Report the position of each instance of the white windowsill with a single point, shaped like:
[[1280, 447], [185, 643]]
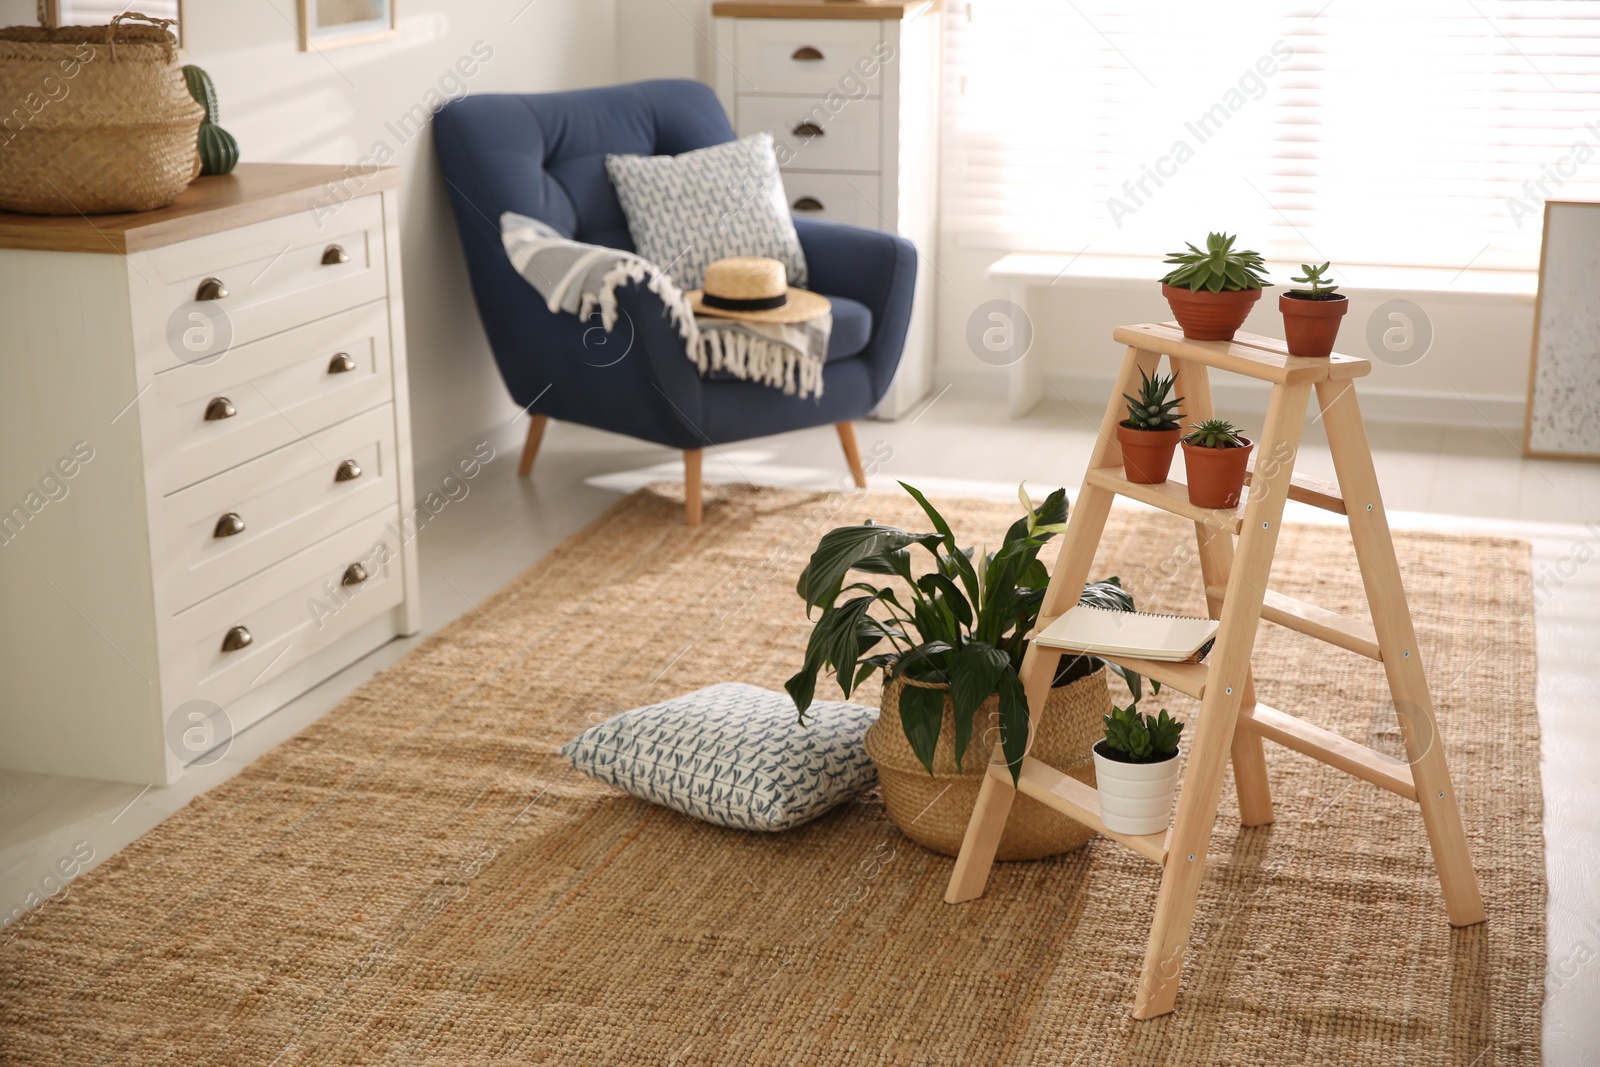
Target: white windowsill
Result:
[[1045, 269]]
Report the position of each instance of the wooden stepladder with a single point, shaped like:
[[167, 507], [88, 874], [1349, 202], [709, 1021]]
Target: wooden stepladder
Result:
[[1231, 723]]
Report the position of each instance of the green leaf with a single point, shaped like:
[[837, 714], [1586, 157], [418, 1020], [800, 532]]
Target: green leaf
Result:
[[921, 713], [838, 636], [920, 662], [938, 584], [841, 549], [974, 673], [1013, 721], [968, 576]]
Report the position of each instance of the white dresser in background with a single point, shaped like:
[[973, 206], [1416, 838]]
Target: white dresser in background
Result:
[[849, 91], [204, 461]]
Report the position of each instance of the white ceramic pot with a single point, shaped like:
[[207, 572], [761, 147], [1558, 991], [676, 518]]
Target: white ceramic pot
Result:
[[1135, 798]]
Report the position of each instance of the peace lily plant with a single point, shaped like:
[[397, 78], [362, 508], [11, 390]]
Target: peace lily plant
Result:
[[960, 622]]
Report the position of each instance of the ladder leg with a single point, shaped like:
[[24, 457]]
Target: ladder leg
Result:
[[1402, 660], [1212, 732], [1216, 563], [1086, 521]]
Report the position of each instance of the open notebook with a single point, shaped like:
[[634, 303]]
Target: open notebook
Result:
[[1169, 638]]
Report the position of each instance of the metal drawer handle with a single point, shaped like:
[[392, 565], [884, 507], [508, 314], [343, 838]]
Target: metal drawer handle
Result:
[[229, 525], [341, 363], [237, 638], [808, 203], [354, 574], [220, 408], [348, 471], [333, 255], [211, 289], [808, 130], [806, 54]]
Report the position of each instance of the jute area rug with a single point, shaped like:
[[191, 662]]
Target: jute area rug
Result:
[[419, 878]]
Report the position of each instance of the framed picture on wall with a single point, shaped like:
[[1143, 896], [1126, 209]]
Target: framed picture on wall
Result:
[[1563, 416], [335, 23]]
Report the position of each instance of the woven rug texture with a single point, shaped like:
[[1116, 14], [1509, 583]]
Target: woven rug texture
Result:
[[419, 878]]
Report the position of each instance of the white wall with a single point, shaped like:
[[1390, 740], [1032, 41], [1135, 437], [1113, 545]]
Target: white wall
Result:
[[285, 105]]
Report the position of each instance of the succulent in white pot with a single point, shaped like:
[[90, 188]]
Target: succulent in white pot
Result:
[[1136, 770]]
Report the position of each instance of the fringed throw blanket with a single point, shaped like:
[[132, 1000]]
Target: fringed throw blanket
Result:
[[583, 279]]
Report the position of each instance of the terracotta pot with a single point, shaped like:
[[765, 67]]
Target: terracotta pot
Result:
[[1208, 316], [1147, 454], [1310, 326], [1216, 475]]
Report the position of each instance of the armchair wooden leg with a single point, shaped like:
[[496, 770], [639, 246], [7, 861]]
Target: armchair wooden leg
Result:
[[530, 447], [852, 454], [691, 485]]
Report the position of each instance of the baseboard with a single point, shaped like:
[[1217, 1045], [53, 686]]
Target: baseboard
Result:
[[1503, 413]]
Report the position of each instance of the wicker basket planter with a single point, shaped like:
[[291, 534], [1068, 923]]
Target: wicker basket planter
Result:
[[933, 810], [109, 123]]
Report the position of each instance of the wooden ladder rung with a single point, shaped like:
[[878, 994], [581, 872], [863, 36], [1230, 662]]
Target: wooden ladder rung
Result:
[[1328, 747], [1184, 677], [1171, 495], [1324, 625], [1307, 490], [1072, 798]]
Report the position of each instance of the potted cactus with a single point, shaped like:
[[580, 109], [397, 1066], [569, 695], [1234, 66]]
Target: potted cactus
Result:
[[1311, 315], [1136, 770], [219, 152], [1215, 457], [1211, 292], [1149, 435]]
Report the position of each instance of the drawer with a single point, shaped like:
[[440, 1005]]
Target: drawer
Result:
[[279, 389], [848, 198], [290, 611], [277, 504], [807, 56], [275, 277], [846, 141]]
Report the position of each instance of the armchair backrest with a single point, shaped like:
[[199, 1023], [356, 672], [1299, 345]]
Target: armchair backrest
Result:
[[544, 154]]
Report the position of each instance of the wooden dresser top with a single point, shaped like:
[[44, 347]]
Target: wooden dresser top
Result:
[[254, 192], [822, 9]]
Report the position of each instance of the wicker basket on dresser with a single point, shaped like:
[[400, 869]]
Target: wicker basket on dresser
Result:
[[204, 461]]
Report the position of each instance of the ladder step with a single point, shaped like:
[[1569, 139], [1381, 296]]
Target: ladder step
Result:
[[1328, 747], [1184, 677], [1072, 798], [1171, 495], [1251, 355], [1306, 489], [1324, 625]]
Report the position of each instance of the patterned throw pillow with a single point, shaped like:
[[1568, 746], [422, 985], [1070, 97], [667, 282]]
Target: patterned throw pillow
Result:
[[734, 755], [685, 212]]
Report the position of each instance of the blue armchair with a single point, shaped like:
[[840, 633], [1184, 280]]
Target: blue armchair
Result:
[[543, 155]]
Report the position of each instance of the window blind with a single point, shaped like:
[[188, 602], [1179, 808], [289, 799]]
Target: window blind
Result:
[[1414, 133]]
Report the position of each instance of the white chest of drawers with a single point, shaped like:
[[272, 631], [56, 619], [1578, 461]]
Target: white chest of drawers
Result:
[[204, 464], [849, 92]]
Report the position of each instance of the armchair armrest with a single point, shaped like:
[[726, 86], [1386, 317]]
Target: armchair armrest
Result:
[[873, 266]]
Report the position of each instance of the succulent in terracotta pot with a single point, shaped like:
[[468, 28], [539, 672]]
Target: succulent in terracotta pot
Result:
[[1215, 456], [1311, 315], [1149, 435], [1211, 292]]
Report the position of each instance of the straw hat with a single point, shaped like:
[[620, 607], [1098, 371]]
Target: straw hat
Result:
[[756, 290]]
